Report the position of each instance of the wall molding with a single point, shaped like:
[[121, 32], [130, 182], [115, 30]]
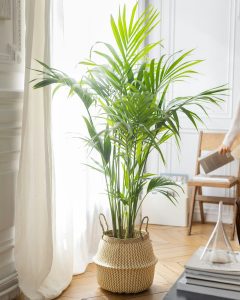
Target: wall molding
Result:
[[8, 284], [11, 94], [169, 7], [5, 10], [13, 53], [11, 104], [9, 289]]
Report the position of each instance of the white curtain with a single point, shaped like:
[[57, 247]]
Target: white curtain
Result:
[[56, 216], [34, 240]]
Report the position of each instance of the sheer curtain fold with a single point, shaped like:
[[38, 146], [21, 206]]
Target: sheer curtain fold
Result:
[[35, 237], [57, 231], [33, 242]]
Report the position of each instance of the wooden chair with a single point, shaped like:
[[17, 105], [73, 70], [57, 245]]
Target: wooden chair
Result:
[[210, 141]]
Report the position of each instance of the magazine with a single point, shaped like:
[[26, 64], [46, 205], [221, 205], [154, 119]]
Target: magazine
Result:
[[213, 284], [214, 160], [227, 278]]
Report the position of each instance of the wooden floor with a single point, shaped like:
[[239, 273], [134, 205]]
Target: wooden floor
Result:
[[172, 246]]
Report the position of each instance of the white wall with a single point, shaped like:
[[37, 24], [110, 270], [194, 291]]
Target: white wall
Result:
[[11, 86], [212, 27]]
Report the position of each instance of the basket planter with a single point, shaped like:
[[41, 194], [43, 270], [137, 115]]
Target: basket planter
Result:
[[125, 265]]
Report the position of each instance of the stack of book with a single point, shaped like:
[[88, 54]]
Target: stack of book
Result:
[[216, 279]]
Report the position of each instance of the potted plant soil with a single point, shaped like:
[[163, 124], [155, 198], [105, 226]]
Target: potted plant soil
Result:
[[131, 92]]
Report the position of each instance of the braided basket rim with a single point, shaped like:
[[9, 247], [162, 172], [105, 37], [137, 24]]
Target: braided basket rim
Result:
[[107, 237]]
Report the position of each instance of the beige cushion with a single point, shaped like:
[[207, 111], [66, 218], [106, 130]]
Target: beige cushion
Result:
[[213, 181]]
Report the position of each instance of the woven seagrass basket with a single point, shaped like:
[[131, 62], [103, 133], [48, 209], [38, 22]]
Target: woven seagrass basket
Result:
[[125, 265]]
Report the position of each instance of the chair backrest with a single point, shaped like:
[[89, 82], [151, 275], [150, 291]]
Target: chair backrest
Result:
[[209, 141], [212, 140]]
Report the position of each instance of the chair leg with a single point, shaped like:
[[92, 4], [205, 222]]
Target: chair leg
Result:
[[193, 200], [234, 221], [235, 214], [201, 212], [201, 206]]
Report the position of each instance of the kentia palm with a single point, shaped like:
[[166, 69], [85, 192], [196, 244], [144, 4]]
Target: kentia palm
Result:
[[132, 93]]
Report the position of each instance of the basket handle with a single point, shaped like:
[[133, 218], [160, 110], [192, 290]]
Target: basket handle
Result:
[[101, 216], [146, 228]]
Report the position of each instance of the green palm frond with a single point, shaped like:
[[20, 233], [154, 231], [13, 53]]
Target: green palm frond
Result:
[[132, 93]]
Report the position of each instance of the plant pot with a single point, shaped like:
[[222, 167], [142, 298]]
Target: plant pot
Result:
[[125, 265]]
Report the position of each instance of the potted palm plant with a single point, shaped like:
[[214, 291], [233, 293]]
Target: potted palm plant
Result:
[[131, 92]]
